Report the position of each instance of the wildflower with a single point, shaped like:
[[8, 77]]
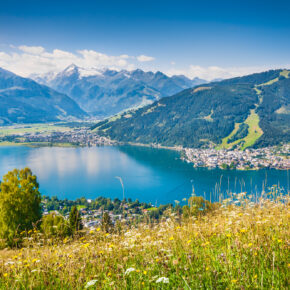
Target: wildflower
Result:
[[255, 277], [279, 241], [171, 238], [189, 241], [162, 280], [129, 270], [229, 235], [5, 274], [207, 268], [109, 274], [144, 272], [91, 283], [98, 229], [157, 260], [242, 231], [234, 281], [250, 244]]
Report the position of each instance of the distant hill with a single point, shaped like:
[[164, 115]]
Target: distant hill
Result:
[[103, 93], [22, 100], [242, 112]]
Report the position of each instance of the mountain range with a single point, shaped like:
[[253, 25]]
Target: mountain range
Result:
[[102, 93], [23, 100], [242, 112]]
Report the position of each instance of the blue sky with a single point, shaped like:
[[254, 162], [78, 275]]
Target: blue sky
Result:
[[198, 38]]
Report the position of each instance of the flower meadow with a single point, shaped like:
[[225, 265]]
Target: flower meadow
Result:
[[240, 245]]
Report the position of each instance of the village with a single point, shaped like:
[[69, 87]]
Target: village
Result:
[[269, 157]]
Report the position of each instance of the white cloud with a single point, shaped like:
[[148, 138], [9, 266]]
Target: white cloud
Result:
[[26, 60], [215, 72], [32, 49], [143, 58]]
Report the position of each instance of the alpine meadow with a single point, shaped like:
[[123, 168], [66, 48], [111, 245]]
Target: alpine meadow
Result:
[[144, 144]]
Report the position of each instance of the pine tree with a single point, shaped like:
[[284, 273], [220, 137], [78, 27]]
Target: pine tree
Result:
[[20, 203], [75, 220]]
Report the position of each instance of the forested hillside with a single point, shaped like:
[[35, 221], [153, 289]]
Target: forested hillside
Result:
[[240, 112]]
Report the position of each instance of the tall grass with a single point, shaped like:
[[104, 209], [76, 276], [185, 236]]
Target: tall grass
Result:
[[241, 245]]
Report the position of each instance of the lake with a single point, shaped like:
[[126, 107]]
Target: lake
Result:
[[148, 174]]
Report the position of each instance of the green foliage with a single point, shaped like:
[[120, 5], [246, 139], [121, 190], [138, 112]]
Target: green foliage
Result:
[[199, 206], [75, 220], [107, 224], [20, 208], [55, 226], [241, 133]]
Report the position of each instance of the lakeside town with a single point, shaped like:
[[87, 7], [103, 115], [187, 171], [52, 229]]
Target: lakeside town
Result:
[[268, 157]]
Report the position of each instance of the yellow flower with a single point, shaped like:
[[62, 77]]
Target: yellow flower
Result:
[[98, 229], [109, 274], [171, 238], [144, 272], [207, 268], [137, 271], [234, 281], [189, 241], [250, 244], [255, 254], [91, 232], [5, 274], [279, 241], [157, 260], [229, 235], [255, 277], [242, 231]]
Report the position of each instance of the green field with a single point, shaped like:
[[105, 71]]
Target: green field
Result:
[[225, 144], [31, 128], [254, 133]]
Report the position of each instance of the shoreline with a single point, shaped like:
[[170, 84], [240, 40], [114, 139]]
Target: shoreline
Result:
[[178, 149]]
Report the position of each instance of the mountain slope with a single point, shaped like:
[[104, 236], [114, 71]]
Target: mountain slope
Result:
[[240, 112], [23, 100], [107, 92]]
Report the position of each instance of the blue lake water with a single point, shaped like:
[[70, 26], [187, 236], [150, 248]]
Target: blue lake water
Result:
[[148, 174]]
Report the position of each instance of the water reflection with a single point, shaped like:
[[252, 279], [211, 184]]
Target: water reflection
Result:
[[148, 174]]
